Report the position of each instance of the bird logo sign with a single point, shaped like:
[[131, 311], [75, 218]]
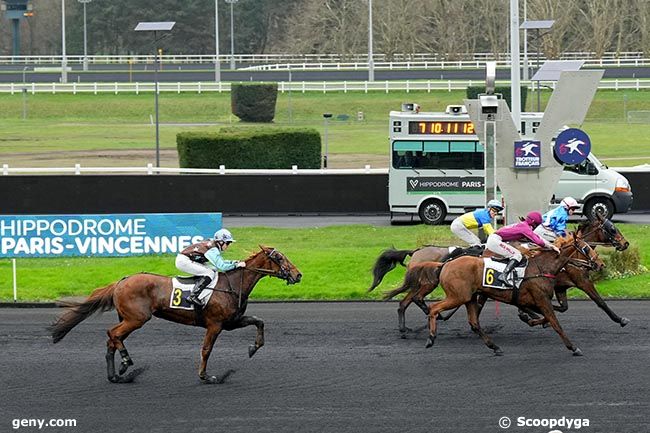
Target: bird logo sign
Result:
[[572, 146], [528, 154]]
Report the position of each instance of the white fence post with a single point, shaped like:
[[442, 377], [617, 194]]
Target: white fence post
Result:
[[5, 169], [149, 168], [77, 169]]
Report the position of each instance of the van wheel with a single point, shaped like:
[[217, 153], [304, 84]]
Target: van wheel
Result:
[[599, 205], [433, 212]]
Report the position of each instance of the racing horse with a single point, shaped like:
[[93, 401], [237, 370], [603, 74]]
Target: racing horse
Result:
[[462, 281], [140, 296], [596, 232]]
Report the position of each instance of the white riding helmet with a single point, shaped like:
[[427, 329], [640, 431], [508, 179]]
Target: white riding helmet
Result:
[[569, 203], [495, 204], [223, 235]]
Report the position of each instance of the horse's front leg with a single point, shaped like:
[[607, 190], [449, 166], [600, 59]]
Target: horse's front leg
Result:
[[545, 306], [247, 321], [212, 332], [588, 287]]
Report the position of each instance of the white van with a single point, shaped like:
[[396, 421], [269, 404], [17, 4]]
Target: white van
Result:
[[597, 187], [437, 168]]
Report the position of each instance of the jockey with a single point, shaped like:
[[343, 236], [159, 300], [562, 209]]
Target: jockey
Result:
[[463, 225], [554, 221], [197, 258], [521, 231]]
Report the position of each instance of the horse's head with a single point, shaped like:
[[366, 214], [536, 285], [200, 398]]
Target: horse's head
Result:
[[278, 265], [602, 230], [580, 253]]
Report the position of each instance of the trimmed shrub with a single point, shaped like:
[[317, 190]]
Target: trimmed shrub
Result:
[[474, 91], [250, 148], [254, 102], [619, 264]]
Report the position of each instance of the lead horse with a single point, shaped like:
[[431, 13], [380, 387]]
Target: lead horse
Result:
[[462, 281], [597, 232], [139, 297]]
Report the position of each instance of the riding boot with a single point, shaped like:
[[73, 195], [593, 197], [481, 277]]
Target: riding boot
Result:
[[200, 284], [505, 275]]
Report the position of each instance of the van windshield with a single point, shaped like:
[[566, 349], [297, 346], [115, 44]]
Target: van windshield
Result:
[[445, 155], [596, 161]]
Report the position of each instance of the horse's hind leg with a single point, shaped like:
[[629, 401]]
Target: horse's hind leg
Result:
[[247, 321], [401, 313], [434, 309], [473, 311], [116, 337]]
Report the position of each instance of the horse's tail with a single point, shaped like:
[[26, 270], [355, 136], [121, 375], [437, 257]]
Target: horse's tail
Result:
[[417, 276], [386, 262], [100, 299]]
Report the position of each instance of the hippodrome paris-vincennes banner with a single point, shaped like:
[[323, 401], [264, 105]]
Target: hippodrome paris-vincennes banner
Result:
[[103, 235]]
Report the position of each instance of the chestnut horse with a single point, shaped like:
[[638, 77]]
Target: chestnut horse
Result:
[[462, 281], [600, 232], [138, 297]]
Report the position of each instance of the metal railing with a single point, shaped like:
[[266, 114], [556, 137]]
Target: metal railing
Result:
[[470, 58], [149, 169], [293, 86]]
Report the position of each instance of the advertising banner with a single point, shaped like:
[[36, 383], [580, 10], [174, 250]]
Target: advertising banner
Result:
[[415, 185], [528, 154], [103, 235]]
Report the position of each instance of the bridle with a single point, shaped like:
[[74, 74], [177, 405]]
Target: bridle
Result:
[[284, 273], [589, 263], [607, 227]]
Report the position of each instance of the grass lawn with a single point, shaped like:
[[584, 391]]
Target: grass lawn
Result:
[[64, 129], [335, 262]]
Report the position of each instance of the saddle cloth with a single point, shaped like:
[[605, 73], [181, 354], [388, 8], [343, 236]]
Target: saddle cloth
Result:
[[181, 289], [492, 269]]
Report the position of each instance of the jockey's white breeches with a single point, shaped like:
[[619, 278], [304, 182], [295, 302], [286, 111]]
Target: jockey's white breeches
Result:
[[183, 263], [459, 229], [545, 233], [497, 245]]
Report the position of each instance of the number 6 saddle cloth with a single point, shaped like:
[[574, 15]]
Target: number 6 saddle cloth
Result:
[[492, 269], [181, 289]]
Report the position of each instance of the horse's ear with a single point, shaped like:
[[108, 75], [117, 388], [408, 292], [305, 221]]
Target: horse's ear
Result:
[[261, 246]]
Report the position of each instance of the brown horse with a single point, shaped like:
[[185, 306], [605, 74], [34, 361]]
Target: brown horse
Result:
[[597, 232], [138, 297], [462, 281]]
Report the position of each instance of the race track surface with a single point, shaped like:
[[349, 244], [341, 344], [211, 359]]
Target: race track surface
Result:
[[334, 367]]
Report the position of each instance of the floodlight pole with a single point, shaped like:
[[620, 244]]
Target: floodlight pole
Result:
[[327, 117], [64, 59], [85, 62], [525, 75], [539, 42], [155, 79], [371, 61], [217, 64], [232, 33], [515, 88]]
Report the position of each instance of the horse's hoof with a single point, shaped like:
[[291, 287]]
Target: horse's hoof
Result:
[[577, 352], [624, 321], [545, 325], [498, 352], [251, 350], [217, 380], [210, 380], [123, 367], [430, 342]]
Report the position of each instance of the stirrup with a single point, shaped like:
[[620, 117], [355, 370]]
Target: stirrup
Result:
[[194, 299]]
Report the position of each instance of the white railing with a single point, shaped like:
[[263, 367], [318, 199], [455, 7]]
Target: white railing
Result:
[[77, 169], [298, 58], [150, 170], [430, 64], [286, 86]]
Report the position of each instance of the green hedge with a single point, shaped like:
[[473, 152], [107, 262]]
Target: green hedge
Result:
[[474, 91], [254, 102], [250, 148]]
